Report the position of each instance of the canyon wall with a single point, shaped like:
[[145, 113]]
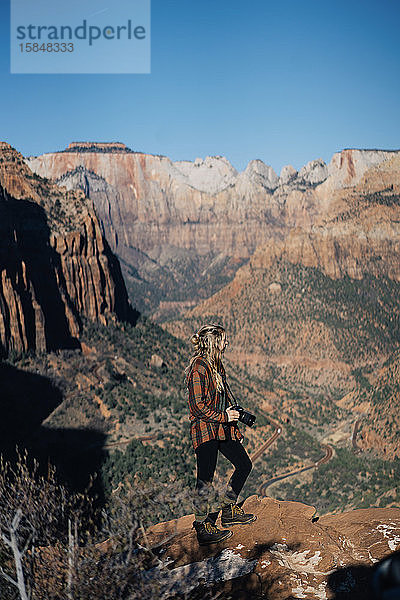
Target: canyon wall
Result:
[[171, 223], [148, 201], [316, 304], [55, 265]]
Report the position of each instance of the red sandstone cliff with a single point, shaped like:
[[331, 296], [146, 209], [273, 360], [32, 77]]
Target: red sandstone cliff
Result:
[[55, 265]]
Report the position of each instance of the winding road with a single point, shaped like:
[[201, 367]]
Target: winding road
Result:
[[260, 451], [278, 431], [356, 449], [327, 457]]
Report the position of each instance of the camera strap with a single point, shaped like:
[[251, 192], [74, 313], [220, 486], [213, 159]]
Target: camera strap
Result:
[[228, 390]]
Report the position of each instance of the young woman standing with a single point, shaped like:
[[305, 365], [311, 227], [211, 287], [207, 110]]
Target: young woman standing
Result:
[[214, 428]]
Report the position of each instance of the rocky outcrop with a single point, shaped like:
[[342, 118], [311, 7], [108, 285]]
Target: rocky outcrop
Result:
[[347, 167], [55, 265], [288, 173], [211, 175], [261, 174], [314, 172], [284, 554]]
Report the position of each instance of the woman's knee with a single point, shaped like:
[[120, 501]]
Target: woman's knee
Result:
[[244, 466], [238, 456], [247, 466], [245, 462]]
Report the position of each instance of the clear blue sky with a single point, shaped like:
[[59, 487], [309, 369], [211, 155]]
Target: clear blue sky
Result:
[[285, 81]]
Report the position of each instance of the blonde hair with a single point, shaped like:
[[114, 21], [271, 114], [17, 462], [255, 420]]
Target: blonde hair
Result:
[[205, 342]]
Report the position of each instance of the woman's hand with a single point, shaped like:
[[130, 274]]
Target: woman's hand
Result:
[[233, 415]]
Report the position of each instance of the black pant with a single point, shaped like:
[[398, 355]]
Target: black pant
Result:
[[207, 454]]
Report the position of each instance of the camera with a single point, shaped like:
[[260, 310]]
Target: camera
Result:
[[244, 416]]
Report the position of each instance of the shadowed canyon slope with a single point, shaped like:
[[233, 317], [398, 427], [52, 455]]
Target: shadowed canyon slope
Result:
[[183, 228], [54, 262]]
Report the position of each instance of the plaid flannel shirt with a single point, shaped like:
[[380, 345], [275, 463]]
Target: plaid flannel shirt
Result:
[[207, 419]]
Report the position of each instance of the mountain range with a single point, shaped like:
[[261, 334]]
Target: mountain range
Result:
[[302, 268], [181, 229]]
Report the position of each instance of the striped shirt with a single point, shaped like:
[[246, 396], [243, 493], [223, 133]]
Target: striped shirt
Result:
[[208, 419]]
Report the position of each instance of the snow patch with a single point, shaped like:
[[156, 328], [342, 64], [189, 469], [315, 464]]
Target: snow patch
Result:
[[223, 567], [318, 592], [296, 561], [265, 563], [393, 540]]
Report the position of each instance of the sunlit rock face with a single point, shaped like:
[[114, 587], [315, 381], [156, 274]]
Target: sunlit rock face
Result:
[[283, 554], [169, 221]]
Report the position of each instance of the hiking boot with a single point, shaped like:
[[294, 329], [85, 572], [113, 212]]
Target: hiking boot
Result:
[[208, 533], [233, 514]]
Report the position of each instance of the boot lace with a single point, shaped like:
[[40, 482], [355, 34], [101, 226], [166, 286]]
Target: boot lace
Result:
[[237, 510], [210, 528]]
